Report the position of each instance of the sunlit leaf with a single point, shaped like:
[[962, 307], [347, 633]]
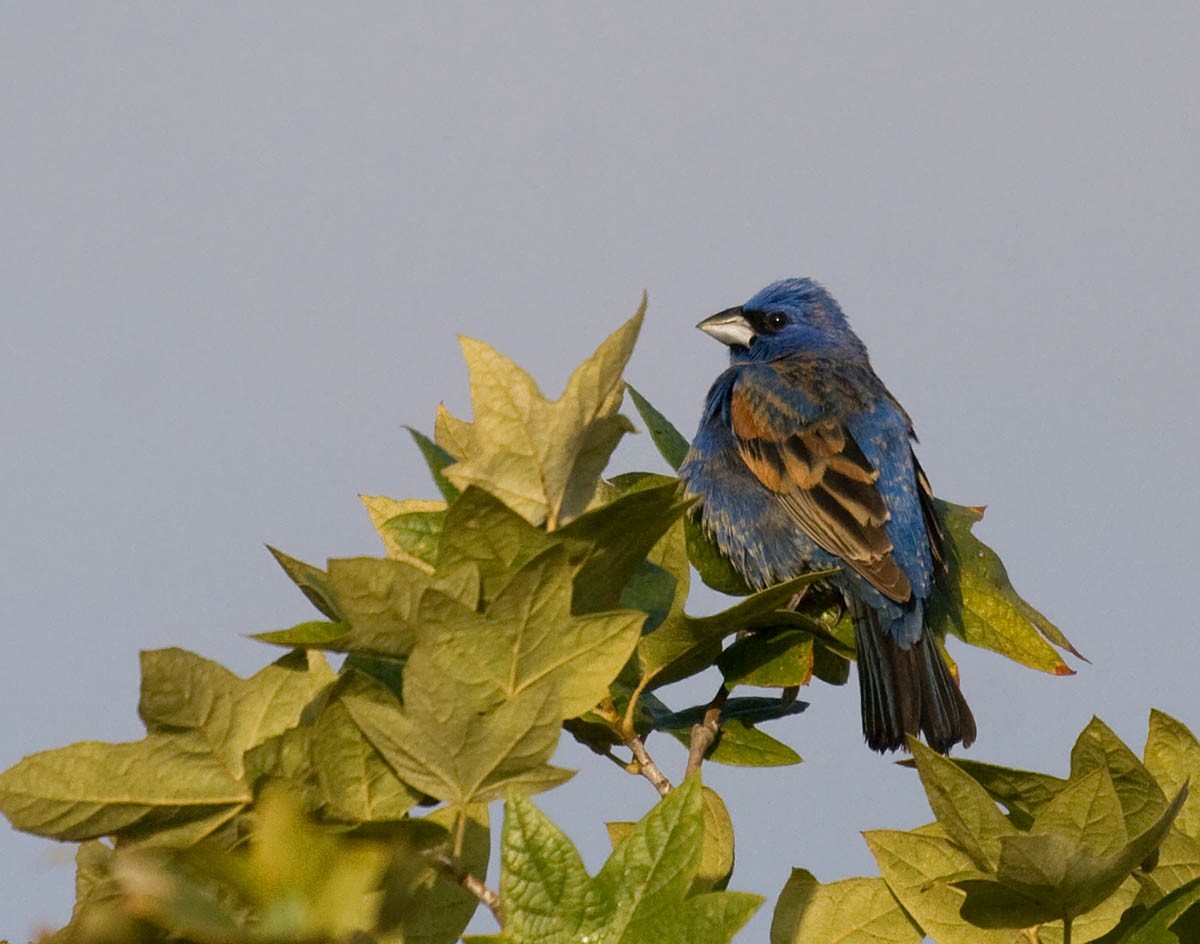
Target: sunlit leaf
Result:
[[982, 606], [187, 773], [528, 636], [852, 911], [542, 458], [1172, 758], [1142, 799]]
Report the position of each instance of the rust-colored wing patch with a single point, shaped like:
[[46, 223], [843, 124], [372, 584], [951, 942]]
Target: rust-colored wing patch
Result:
[[827, 486]]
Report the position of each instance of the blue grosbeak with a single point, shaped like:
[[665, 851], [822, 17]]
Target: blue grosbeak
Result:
[[804, 460]]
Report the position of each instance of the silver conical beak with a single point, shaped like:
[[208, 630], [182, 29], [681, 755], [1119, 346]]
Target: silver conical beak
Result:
[[729, 327]]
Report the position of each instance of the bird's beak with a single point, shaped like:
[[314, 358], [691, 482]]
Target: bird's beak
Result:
[[729, 327]]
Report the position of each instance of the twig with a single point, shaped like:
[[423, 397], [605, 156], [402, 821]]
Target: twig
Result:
[[642, 763], [451, 869], [646, 766], [705, 734]]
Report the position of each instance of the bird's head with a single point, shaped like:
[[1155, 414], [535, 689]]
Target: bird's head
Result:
[[789, 317]]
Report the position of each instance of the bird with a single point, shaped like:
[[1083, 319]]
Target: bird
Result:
[[804, 460]]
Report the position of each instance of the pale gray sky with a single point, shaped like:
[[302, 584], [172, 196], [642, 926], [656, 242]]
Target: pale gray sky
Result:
[[237, 244]]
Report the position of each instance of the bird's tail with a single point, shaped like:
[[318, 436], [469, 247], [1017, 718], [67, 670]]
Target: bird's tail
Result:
[[906, 690]]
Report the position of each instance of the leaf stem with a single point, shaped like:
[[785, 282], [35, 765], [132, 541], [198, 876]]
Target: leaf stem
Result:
[[449, 868]]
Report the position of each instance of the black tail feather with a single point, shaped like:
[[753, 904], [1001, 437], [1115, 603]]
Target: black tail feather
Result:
[[906, 690]]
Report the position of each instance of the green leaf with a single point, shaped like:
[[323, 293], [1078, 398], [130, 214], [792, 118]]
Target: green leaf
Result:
[[716, 853], [1142, 799], [443, 747], [376, 599], [402, 542], [528, 637], [415, 534], [742, 745], [188, 773], [1021, 792], [312, 581], [1178, 863], [542, 458], [963, 808], [982, 607], [356, 782], [642, 894], [1057, 875], [769, 660], [913, 865], [1088, 813], [1173, 920], [483, 532], [618, 536], [1172, 758], [437, 459], [852, 911], [315, 634], [670, 443]]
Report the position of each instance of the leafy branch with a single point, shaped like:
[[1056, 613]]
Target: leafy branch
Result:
[[532, 596]]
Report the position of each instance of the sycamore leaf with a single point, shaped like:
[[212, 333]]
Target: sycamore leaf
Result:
[[1055, 875], [528, 637], [608, 543], [1172, 758], [1088, 812], [982, 607], [964, 810], [1142, 799], [642, 895], [542, 458], [408, 528], [1021, 792], [374, 601], [357, 784], [912, 864], [852, 911], [187, 776], [442, 746]]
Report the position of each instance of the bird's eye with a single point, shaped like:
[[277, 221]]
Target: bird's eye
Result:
[[776, 321]]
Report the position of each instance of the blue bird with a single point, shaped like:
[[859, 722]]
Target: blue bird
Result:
[[803, 460]]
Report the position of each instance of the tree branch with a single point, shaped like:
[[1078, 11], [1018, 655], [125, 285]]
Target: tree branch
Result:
[[704, 735], [453, 871]]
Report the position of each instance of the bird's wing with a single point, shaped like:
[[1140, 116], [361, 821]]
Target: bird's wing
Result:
[[826, 484]]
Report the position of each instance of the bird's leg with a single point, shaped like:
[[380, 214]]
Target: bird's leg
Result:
[[704, 735]]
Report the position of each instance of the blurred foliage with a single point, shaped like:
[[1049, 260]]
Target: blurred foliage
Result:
[[304, 804]]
